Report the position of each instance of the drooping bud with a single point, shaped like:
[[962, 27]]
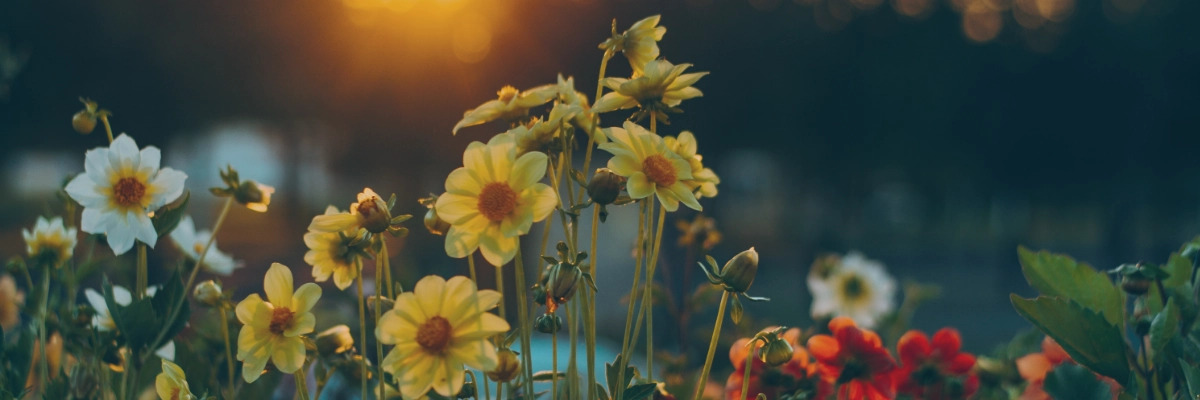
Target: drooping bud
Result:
[[562, 281], [467, 391], [548, 323], [383, 303], [334, 341], [777, 351], [605, 186], [83, 122], [508, 365], [208, 293], [738, 274]]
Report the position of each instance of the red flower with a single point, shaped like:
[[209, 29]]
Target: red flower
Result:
[[799, 373], [1034, 367], [854, 360], [935, 371]]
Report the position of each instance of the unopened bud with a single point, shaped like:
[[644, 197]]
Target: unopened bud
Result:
[[84, 122], [562, 281], [1135, 285], [334, 341], [467, 391], [254, 195], [208, 293], [605, 186], [508, 365], [548, 323], [738, 273], [374, 212], [777, 351], [434, 224]]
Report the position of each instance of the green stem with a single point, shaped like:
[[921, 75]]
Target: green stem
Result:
[[590, 305], [712, 346], [45, 358], [747, 363], [362, 326], [572, 333], [379, 267], [302, 383], [523, 316], [228, 346], [554, 360], [499, 288], [637, 273], [386, 262], [487, 390], [647, 299], [107, 127], [140, 291]]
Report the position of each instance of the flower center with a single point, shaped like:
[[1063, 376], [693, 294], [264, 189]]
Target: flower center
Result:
[[128, 191], [659, 170], [281, 319], [852, 287], [508, 93], [496, 201], [434, 334]]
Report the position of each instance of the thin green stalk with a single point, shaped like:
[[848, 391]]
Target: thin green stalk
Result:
[[386, 263], [523, 317], [362, 326], [747, 363], [471, 269], [712, 346], [487, 391], [499, 286], [302, 383], [45, 359], [572, 333], [228, 346], [647, 299], [590, 305], [379, 266], [140, 291], [107, 127], [637, 273], [554, 361]]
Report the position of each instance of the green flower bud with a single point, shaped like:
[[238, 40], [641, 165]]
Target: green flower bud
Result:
[[508, 365], [467, 391], [738, 274], [538, 292], [376, 217], [208, 293], [253, 195], [84, 122], [562, 281], [334, 341], [385, 304], [1135, 285], [548, 323], [777, 351], [605, 186]]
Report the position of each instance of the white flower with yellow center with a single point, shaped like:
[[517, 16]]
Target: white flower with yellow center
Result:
[[50, 239], [662, 86], [271, 330], [171, 383], [511, 106], [103, 320], [368, 211], [650, 167], [704, 181], [438, 328], [639, 43], [191, 243], [494, 199], [857, 287], [328, 256], [119, 187]]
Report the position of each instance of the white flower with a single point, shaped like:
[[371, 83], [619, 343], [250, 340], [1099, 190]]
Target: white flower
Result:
[[191, 242], [856, 287], [119, 187], [103, 320], [51, 239]]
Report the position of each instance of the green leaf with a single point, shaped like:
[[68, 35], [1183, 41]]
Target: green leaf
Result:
[[1074, 382], [600, 392], [736, 312], [641, 391], [1085, 335], [1178, 269], [167, 218], [1192, 374], [1164, 326], [541, 376], [1059, 275]]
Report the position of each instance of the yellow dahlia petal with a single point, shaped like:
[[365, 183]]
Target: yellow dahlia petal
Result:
[[461, 243], [278, 285], [246, 308], [541, 200], [428, 292], [288, 354], [460, 181], [498, 249], [456, 208], [638, 186], [527, 170], [305, 297]]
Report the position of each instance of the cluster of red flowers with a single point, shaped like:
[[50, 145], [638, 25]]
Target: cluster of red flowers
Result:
[[853, 364]]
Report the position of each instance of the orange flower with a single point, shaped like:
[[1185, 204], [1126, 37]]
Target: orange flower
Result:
[[1034, 367], [937, 370], [854, 360], [798, 374]]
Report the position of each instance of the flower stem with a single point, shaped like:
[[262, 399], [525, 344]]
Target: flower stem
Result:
[[140, 291], [590, 304], [647, 299], [523, 316], [712, 346], [572, 332], [747, 364], [487, 391], [107, 127], [380, 264], [637, 273], [554, 359], [228, 346], [45, 359], [386, 264], [302, 383], [362, 326], [178, 306]]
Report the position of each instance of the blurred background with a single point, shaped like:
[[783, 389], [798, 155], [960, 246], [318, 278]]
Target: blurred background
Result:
[[934, 136]]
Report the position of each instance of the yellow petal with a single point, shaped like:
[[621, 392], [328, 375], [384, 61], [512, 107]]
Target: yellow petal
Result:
[[527, 170], [245, 309], [278, 285], [429, 294], [333, 222], [460, 181], [304, 298], [541, 200], [498, 249], [488, 324], [449, 379], [667, 199], [478, 354], [460, 242], [474, 160], [638, 186], [685, 195], [416, 379], [456, 208], [518, 223], [624, 164], [303, 324], [288, 354]]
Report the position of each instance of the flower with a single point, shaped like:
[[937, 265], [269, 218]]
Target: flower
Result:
[[854, 359], [271, 330], [51, 240], [662, 87], [191, 242], [438, 328], [171, 384], [704, 181], [329, 254], [937, 370], [512, 106], [254, 195], [584, 119], [103, 320], [119, 187], [702, 230], [639, 43], [651, 168], [543, 135], [856, 287], [797, 374], [10, 302], [369, 211], [494, 198], [1034, 368]]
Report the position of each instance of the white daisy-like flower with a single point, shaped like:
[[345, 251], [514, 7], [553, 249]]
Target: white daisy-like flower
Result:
[[50, 239], [120, 185], [191, 242], [103, 320], [856, 287]]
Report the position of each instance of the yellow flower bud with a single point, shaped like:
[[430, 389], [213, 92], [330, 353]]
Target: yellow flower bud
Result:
[[254, 195], [374, 213], [507, 366], [334, 341], [208, 293], [434, 224], [84, 122]]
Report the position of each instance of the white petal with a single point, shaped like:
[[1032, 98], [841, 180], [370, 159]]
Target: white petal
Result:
[[120, 234], [167, 352], [168, 185], [96, 165], [84, 190], [144, 227], [123, 152], [150, 159]]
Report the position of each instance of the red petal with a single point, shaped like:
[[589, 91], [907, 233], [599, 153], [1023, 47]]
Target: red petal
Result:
[[841, 323], [947, 341], [824, 348], [913, 348], [961, 364], [738, 352], [1053, 351]]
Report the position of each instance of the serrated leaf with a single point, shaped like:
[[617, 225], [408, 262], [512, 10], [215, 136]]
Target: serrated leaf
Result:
[[1164, 326], [1084, 334], [167, 218], [1060, 275], [1074, 382]]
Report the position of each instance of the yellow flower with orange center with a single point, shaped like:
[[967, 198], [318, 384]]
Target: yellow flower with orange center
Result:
[[662, 86], [704, 181], [438, 328], [328, 255], [651, 168], [493, 199], [271, 329]]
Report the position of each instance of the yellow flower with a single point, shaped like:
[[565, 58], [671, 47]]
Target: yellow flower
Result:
[[651, 168], [639, 43], [512, 106], [171, 384], [584, 120], [261, 201], [438, 328], [271, 330], [369, 211], [119, 187], [662, 87], [704, 181], [543, 135], [493, 199], [328, 255], [51, 240]]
